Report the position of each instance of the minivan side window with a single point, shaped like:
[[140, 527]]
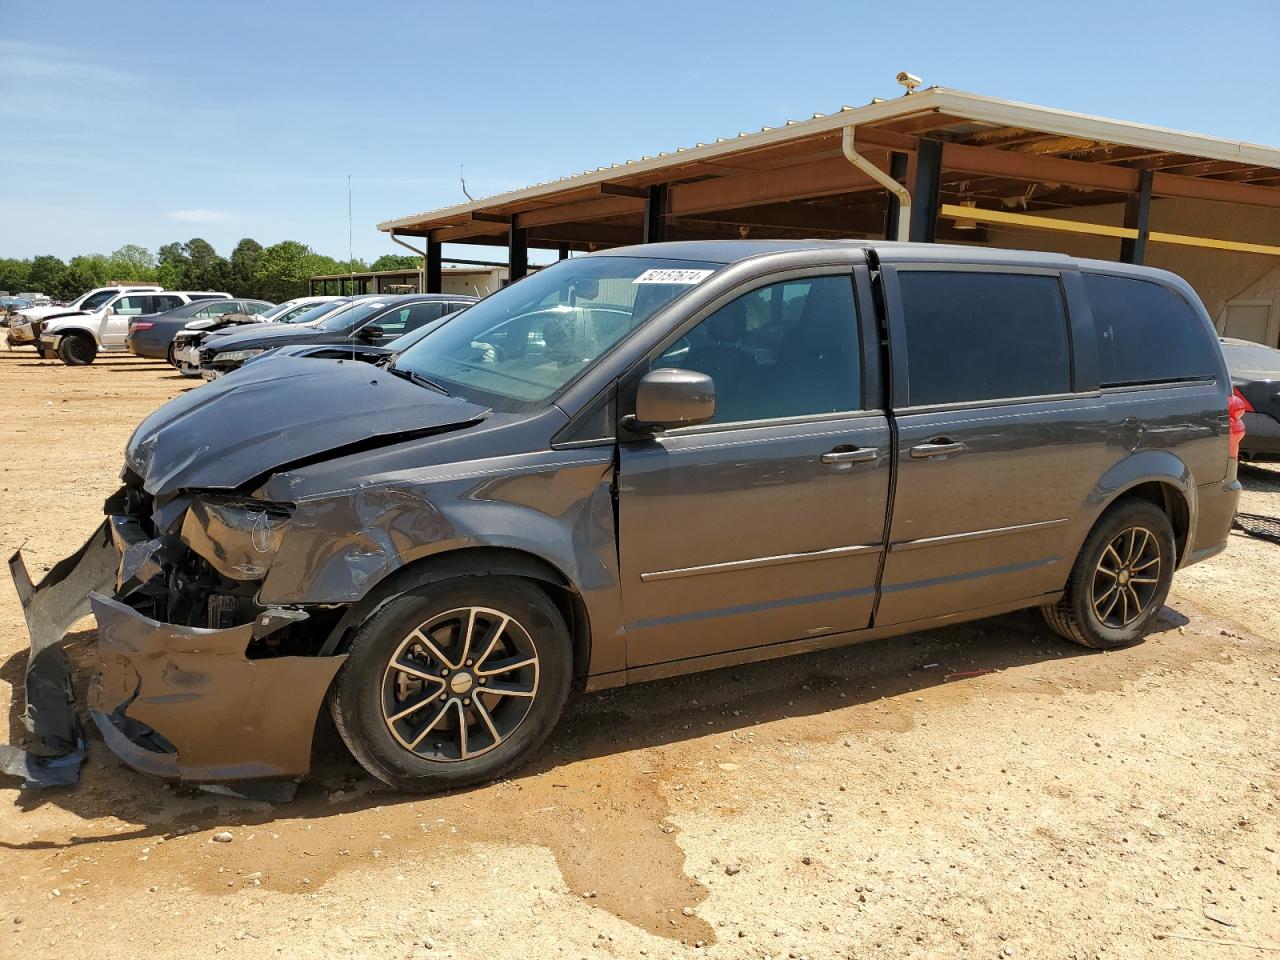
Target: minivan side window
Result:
[[786, 350], [974, 335], [1146, 333]]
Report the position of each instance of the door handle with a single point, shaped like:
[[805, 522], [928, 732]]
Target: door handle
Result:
[[850, 455], [936, 448]]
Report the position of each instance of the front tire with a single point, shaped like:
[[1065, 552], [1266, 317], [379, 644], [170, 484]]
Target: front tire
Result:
[[454, 683], [1120, 579], [77, 350]]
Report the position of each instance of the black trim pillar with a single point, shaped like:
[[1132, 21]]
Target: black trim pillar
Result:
[[924, 192], [655, 214], [562, 252], [517, 252], [1137, 216], [897, 170], [432, 271]]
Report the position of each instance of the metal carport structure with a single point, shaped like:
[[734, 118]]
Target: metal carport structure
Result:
[[937, 164]]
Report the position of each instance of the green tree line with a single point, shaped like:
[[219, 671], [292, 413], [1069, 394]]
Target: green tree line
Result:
[[274, 273]]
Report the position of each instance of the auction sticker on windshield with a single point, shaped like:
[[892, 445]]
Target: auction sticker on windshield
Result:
[[687, 277]]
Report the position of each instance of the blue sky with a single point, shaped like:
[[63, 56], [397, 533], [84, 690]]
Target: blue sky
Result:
[[150, 122]]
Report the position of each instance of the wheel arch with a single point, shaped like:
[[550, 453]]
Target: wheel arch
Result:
[[475, 561], [73, 332], [1157, 476]]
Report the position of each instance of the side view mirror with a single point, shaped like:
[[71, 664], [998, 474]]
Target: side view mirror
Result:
[[108, 311], [370, 332], [670, 397]]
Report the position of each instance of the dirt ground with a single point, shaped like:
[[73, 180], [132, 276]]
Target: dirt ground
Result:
[[867, 802]]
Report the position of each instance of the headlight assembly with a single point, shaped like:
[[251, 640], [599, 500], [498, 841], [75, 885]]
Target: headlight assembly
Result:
[[239, 537], [231, 356]]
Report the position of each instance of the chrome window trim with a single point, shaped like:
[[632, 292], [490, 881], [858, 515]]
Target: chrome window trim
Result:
[[997, 402], [800, 420], [1184, 384]]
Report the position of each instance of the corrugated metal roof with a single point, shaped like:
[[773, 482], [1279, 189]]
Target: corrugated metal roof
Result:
[[957, 103]]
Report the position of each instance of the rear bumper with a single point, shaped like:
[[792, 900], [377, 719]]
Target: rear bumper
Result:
[[148, 347], [1261, 437], [1216, 509], [173, 701]]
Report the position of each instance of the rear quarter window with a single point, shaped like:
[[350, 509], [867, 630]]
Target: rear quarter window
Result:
[[974, 335], [1147, 333]]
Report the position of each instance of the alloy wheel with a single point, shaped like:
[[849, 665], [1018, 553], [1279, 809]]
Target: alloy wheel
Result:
[[460, 684], [1126, 577]]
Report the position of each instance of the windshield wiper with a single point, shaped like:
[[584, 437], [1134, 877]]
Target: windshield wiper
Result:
[[417, 378]]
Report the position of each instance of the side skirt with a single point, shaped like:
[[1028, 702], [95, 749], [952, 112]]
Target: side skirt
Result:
[[675, 668]]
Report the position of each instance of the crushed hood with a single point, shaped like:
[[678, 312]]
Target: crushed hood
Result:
[[268, 415]]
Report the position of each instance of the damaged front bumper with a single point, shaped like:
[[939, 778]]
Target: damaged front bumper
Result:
[[189, 703]]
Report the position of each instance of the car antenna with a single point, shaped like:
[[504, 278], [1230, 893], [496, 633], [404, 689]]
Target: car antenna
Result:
[[351, 264]]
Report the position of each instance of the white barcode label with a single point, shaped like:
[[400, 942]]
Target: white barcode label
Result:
[[686, 277]]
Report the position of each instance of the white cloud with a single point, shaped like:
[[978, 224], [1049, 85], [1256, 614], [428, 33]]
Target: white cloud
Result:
[[200, 215]]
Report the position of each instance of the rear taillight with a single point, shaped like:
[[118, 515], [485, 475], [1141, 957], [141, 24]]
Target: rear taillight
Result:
[[1237, 406], [143, 325]]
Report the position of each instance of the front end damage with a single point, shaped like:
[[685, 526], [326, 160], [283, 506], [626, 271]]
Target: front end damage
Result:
[[193, 679], [204, 669]]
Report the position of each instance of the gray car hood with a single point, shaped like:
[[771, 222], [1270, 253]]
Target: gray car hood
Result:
[[269, 415]]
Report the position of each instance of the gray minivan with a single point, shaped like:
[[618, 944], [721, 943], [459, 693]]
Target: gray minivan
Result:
[[635, 464]]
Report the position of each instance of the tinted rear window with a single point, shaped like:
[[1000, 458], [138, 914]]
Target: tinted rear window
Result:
[[1146, 333], [983, 336]]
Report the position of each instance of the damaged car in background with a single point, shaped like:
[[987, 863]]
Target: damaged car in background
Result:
[[630, 465], [184, 352]]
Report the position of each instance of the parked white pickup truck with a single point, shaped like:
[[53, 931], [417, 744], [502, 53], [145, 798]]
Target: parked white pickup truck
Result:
[[76, 338], [20, 332]]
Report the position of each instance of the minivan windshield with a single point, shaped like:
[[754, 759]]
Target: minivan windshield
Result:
[[521, 345]]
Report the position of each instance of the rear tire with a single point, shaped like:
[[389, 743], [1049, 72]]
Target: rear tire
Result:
[[1120, 580], [77, 350], [454, 683]]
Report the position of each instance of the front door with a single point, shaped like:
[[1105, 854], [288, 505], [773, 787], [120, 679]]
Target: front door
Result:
[[996, 454], [114, 326], [766, 524]]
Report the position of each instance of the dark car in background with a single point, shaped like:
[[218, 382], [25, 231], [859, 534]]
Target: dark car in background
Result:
[[355, 349], [1255, 376], [631, 465], [375, 320], [185, 352], [153, 336]]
